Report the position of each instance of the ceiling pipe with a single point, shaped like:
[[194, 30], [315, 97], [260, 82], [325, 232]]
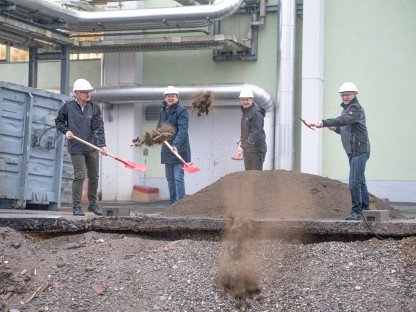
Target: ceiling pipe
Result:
[[224, 95], [162, 18]]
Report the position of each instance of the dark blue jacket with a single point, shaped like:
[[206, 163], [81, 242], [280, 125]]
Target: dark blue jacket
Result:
[[351, 125], [87, 125], [178, 117]]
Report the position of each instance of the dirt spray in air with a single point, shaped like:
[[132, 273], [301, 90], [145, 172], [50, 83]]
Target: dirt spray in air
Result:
[[237, 273]]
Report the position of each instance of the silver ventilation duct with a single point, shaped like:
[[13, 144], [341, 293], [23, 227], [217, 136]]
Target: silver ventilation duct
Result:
[[153, 18], [222, 93]]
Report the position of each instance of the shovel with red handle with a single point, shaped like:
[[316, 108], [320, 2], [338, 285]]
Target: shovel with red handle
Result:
[[309, 125], [239, 153], [127, 164], [189, 168]]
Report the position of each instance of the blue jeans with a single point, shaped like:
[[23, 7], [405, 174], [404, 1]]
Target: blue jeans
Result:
[[176, 182], [358, 187]]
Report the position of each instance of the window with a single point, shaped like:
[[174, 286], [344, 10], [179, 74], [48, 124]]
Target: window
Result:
[[2, 52], [17, 55], [85, 56]]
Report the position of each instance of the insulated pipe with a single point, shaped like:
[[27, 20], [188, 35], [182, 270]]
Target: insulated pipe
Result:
[[224, 95], [171, 17], [222, 92], [286, 85]]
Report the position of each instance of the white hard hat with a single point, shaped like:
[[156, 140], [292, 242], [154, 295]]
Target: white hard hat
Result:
[[348, 87], [171, 90], [246, 93], [82, 85]]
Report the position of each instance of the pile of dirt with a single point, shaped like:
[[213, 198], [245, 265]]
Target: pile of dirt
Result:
[[277, 194]]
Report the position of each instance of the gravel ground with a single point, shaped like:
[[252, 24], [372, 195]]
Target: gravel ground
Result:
[[118, 272], [124, 272]]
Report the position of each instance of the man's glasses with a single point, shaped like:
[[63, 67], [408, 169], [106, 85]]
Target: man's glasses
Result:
[[85, 92], [346, 94]]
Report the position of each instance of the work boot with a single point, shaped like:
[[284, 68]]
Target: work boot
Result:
[[95, 209], [353, 216], [78, 211]]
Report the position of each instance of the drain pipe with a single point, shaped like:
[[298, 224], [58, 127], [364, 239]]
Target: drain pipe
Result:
[[286, 85], [162, 18], [224, 95]]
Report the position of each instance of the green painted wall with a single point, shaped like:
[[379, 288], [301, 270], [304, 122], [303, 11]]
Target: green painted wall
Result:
[[198, 67], [49, 73], [372, 43]]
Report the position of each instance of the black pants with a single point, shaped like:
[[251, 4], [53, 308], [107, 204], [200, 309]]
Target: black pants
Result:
[[254, 161]]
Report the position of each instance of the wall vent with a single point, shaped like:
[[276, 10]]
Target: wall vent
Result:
[[151, 113]]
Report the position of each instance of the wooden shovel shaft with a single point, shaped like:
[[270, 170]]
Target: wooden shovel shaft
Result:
[[176, 153], [127, 164], [93, 146]]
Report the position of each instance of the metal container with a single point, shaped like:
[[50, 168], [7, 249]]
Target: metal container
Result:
[[31, 151]]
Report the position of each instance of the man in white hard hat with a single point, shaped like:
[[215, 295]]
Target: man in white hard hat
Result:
[[253, 137], [351, 125], [82, 118], [176, 115]]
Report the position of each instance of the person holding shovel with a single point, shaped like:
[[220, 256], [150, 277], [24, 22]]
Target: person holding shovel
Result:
[[253, 137], [177, 116], [82, 118], [351, 125]]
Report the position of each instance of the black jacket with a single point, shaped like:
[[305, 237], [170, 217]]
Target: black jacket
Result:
[[178, 117], [352, 127], [253, 137], [87, 125]]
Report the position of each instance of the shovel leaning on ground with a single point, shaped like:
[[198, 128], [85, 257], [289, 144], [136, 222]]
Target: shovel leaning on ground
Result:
[[127, 164], [189, 168]]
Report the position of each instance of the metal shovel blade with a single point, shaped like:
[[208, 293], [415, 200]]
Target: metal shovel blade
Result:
[[190, 168], [134, 166], [237, 158], [307, 125]]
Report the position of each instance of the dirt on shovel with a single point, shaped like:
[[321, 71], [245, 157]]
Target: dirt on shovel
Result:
[[155, 137]]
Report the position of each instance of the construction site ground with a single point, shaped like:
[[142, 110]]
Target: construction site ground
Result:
[[253, 241]]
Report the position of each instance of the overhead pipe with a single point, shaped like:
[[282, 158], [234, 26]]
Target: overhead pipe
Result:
[[224, 95], [156, 18], [222, 92]]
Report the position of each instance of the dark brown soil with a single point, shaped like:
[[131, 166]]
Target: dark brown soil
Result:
[[277, 194], [156, 136], [201, 102]]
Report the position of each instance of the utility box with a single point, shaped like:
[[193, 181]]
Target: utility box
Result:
[[116, 211], [31, 150], [376, 215], [144, 193]]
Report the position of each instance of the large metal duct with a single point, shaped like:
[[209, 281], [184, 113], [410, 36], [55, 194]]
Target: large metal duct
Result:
[[224, 94], [152, 18]]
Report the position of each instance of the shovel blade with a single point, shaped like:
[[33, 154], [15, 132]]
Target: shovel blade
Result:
[[237, 158], [190, 168], [133, 166]]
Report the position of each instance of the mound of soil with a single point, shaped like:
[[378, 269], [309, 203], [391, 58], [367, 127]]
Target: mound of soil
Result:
[[277, 194]]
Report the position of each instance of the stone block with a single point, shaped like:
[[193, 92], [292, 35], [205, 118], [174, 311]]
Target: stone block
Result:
[[376, 215]]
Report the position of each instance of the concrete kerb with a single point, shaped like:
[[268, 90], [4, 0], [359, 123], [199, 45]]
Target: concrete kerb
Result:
[[273, 229]]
